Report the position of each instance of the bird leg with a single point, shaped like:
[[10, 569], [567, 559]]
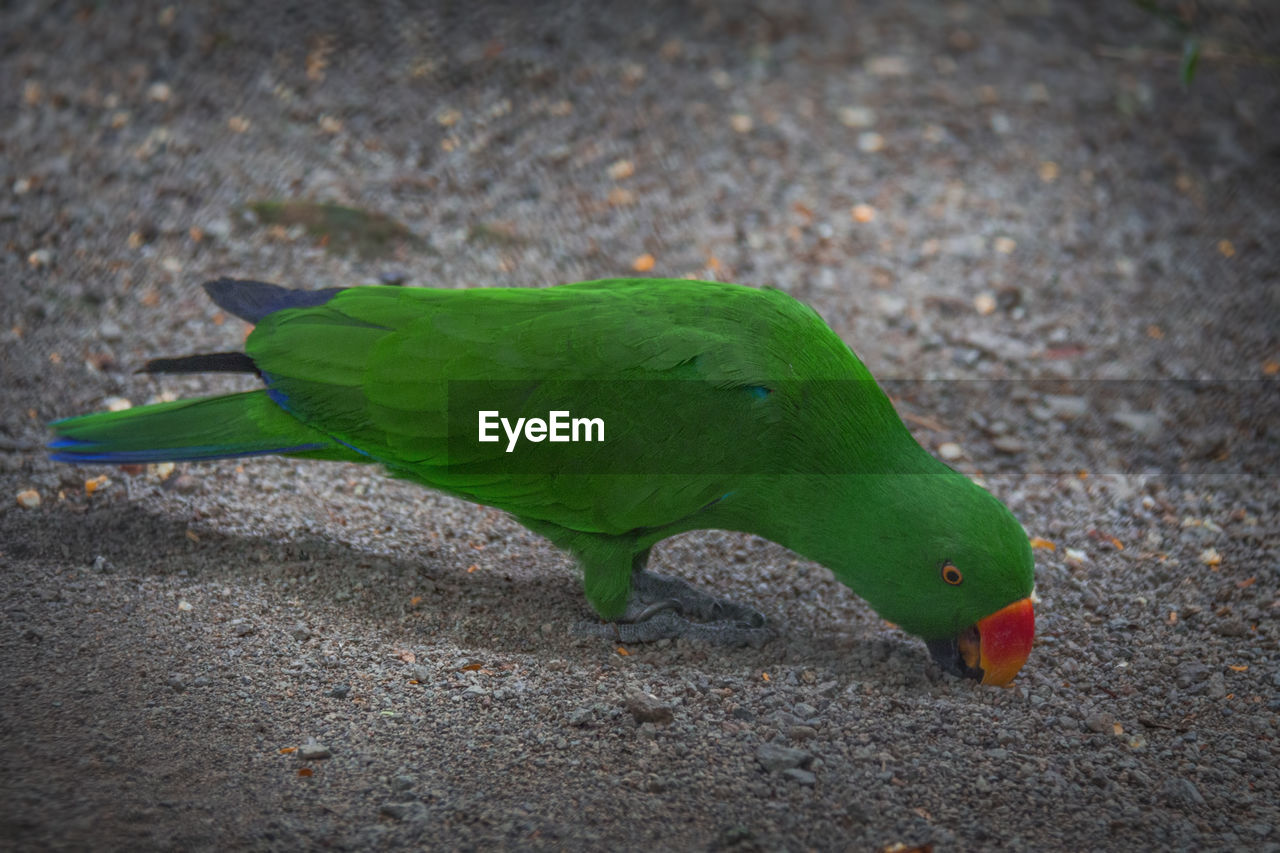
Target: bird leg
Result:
[[665, 608]]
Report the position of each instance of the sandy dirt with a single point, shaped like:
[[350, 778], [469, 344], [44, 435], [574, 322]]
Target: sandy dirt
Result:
[[1062, 262]]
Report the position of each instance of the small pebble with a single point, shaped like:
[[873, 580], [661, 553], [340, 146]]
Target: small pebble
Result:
[[888, 66], [774, 757], [862, 213], [1066, 407], [647, 708], [1182, 792], [412, 811], [160, 471], [622, 169], [891, 306], [1144, 423], [1099, 722], [218, 229], [870, 142], [856, 116], [313, 752], [1074, 556], [184, 484], [1009, 444], [802, 777]]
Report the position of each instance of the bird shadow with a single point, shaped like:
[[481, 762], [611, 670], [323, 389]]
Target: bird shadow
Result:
[[527, 602]]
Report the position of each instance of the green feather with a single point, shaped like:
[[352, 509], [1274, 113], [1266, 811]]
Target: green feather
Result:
[[245, 424]]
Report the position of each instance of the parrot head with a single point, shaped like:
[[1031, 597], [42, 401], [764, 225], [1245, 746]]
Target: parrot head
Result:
[[984, 622], [955, 568]]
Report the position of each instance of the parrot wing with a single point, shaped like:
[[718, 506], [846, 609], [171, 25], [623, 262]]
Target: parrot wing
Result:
[[682, 374]]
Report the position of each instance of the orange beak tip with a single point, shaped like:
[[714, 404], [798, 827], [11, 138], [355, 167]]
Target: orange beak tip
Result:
[[1006, 639]]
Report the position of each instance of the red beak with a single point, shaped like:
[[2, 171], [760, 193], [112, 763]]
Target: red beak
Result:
[[1003, 643]]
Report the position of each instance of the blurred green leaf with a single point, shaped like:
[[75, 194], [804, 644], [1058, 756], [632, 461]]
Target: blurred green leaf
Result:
[[339, 228], [1190, 59]]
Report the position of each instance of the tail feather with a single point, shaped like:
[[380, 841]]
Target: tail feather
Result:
[[253, 300], [213, 362], [244, 424]]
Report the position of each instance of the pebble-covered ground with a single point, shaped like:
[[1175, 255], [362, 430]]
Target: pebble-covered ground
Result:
[[1061, 260]]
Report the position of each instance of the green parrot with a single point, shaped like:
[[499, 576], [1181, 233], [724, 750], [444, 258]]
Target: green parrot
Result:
[[607, 416]]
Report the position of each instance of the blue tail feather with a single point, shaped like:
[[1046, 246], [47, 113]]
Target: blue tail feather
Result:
[[243, 424], [90, 456]]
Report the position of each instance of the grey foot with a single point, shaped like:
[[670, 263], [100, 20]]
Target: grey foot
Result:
[[667, 608], [651, 591]]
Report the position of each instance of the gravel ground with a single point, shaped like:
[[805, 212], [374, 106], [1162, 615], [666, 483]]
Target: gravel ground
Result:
[[1062, 262]]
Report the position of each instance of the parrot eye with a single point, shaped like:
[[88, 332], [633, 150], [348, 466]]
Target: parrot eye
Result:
[[951, 574]]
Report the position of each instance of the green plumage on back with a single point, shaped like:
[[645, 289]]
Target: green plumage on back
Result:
[[722, 407], [379, 368]]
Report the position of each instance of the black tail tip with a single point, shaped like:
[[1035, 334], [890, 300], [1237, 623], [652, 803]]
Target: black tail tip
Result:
[[213, 362], [252, 300]]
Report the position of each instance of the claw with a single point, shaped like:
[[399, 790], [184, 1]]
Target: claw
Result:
[[650, 611]]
